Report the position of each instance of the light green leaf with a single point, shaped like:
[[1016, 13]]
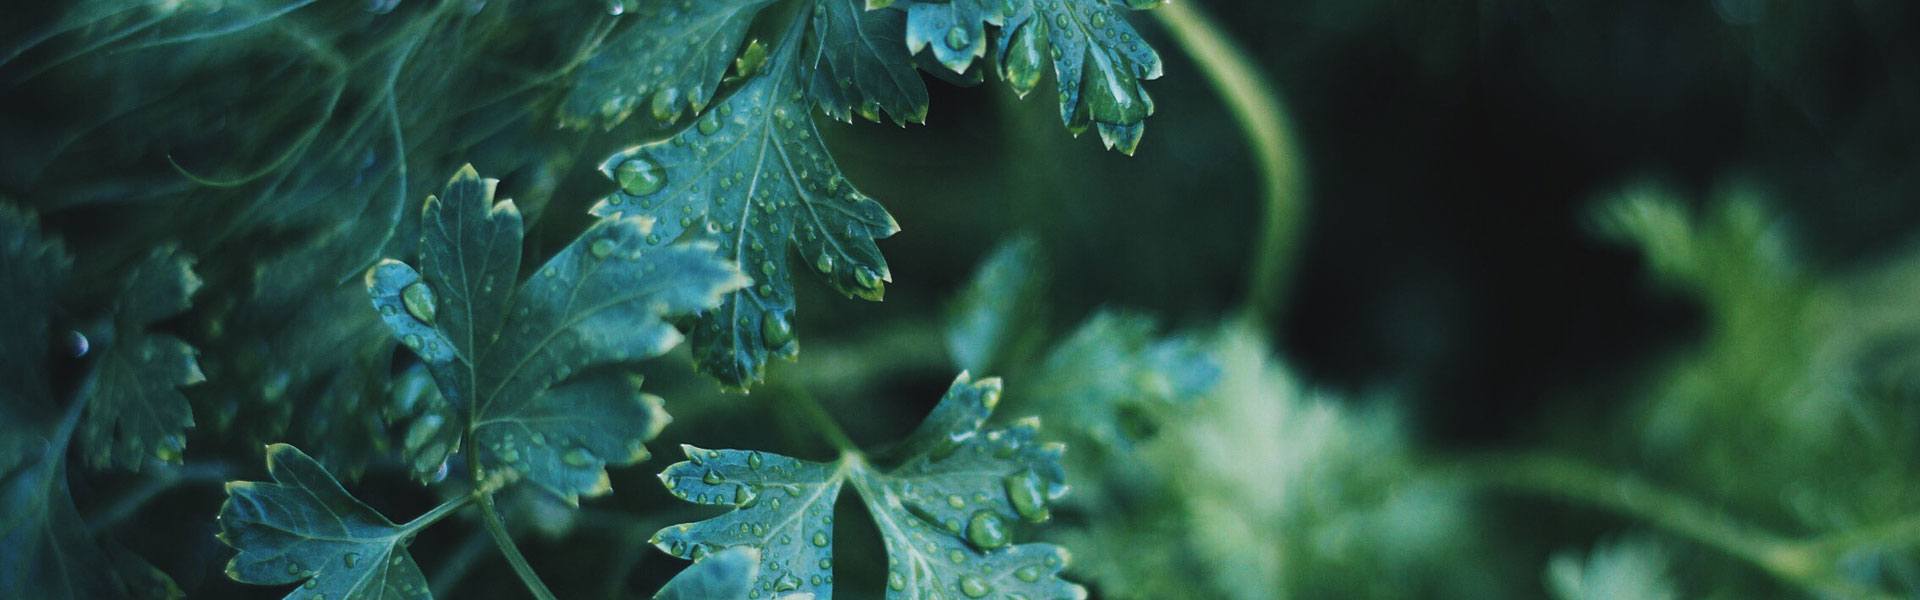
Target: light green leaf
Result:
[[135, 411], [753, 175], [1000, 310], [946, 509], [860, 64], [304, 527], [1115, 366], [671, 54], [1099, 63], [538, 382], [1628, 569], [726, 575]]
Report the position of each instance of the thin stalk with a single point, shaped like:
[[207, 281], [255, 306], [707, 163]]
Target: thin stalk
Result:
[[823, 422], [498, 529], [438, 513], [1263, 117], [483, 490], [1789, 561]]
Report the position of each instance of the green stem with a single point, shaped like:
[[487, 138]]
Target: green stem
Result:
[[483, 490], [1796, 563], [1263, 117], [811, 410], [438, 513], [498, 529]]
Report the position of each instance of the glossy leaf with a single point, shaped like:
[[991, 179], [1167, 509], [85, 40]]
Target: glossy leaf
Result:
[[946, 510], [135, 411], [860, 64], [304, 528], [1100, 64], [955, 30], [670, 56], [538, 382], [726, 575], [753, 175]]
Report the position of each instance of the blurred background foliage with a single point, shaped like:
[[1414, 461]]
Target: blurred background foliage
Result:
[[1590, 299]]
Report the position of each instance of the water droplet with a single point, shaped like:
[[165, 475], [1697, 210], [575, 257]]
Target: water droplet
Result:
[[956, 556], [956, 501], [77, 344], [866, 278], [974, 587], [601, 247], [577, 457], [775, 329], [1024, 493], [895, 581], [350, 559], [639, 176], [987, 530], [709, 124], [1029, 573], [419, 300], [311, 583], [824, 263], [412, 341], [957, 38], [712, 478], [787, 583], [666, 104]]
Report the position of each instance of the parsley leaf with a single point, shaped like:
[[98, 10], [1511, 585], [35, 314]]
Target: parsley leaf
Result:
[[1001, 311], [945, 509], [1099, 62], [956, 30], [753, 174], [304, 526], [672, 54], [134, 407], [48, 551], [725, 575], [861, 64], [533, 368]]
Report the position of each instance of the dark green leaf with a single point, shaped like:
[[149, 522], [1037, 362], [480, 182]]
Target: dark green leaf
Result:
[[1099, 62], [305, 527], [860, 64], [671, 55], [946, 511], [525, 372], [753, 174], [135, 410]]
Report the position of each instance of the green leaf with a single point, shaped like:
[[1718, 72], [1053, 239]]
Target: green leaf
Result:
[[753, 174], [946, 509], [1099, 62], [534, 369], [48, 552], [1628, 569], [860, 64], [956, 29], [304, 527], [726, 575], [999, 311], [1115, 366], [135, 410], [671, 55]]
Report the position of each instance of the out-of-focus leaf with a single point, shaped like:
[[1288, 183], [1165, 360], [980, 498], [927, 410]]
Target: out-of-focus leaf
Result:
[[946, 511], [304, 527], [135, 411], [48, 552], [999, 309], [534, 369], [1113, 368], [671, 54], [753, 175], [1630, 569]]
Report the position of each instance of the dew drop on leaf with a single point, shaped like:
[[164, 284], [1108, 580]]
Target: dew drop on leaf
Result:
[[639, 176], [419, 300]]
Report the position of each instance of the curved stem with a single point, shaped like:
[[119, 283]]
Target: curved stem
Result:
[[1263, 117], [1789, 561]]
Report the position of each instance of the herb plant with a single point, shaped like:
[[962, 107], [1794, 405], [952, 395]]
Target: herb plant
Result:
[[266, 330]]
